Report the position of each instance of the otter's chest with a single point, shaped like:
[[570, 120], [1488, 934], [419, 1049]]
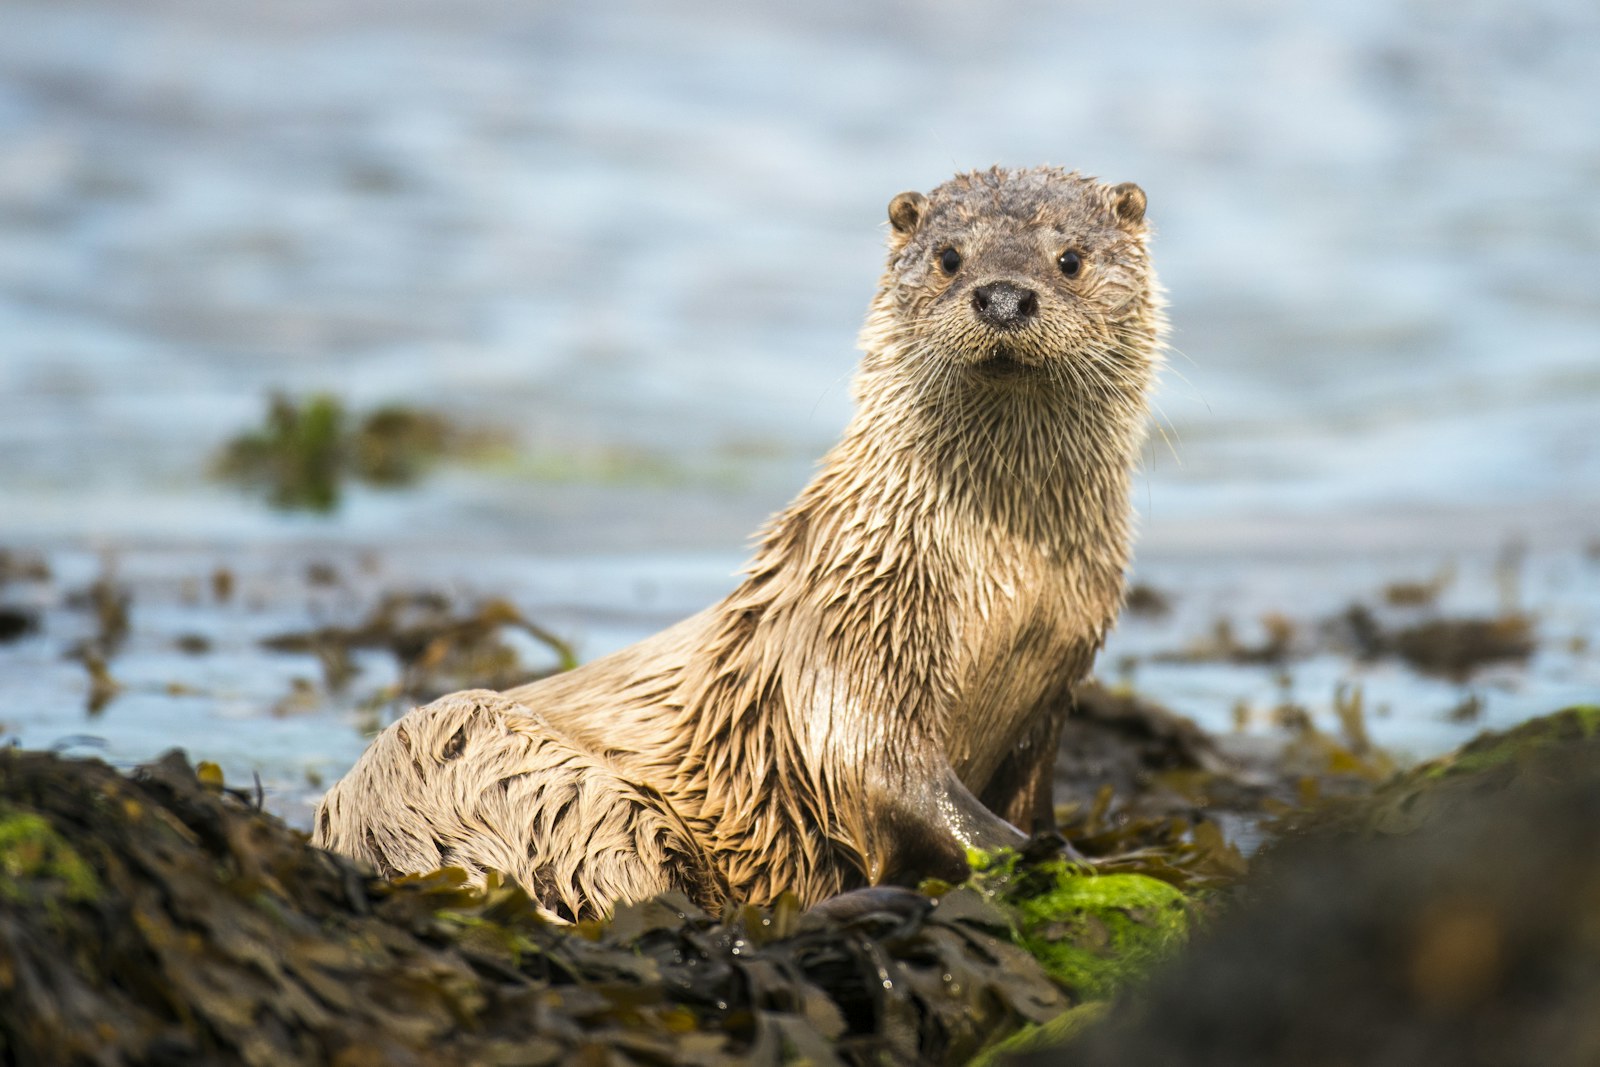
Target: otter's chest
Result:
[[1028, 634]]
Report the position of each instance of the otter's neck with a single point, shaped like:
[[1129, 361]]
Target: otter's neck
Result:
[[1033, 466]]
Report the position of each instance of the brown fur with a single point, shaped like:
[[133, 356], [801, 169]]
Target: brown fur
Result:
[[908, 632]]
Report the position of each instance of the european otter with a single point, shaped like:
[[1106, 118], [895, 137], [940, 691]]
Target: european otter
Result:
[[885, 688]]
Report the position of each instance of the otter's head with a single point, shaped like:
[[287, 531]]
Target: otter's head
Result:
[[1009, 279]]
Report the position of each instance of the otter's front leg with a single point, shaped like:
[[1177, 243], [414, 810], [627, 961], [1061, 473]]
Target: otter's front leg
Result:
[[929, 825], [1022, 790]]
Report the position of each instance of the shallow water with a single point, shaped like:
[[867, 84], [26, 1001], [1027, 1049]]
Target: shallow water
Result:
[[650, 233]]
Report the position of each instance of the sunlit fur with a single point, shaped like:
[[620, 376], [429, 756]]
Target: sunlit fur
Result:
[[908, 631]]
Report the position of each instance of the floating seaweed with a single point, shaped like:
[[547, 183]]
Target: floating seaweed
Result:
[[308, 449]]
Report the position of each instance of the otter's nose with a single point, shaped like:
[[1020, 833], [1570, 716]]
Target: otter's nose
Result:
[[1003, 305]]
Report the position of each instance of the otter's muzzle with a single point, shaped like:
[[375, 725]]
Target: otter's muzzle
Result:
[[1005, 306]]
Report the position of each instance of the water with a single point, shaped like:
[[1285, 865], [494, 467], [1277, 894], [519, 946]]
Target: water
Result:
[[652, 230]]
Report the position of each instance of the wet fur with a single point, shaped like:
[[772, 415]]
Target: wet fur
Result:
[[908, 632]]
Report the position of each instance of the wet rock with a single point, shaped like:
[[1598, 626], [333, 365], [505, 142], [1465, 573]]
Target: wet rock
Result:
[[17, 623], [1450, 918]]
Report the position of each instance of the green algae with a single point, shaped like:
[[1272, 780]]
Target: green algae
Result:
[[1037, 1036], [36, 862], [298, 456], [1094, 934], [1493, 749]]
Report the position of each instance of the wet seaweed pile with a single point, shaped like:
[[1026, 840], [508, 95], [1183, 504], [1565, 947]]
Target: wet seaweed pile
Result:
[[162, 918], [159, 918]]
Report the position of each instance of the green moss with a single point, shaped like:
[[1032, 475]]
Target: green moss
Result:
[[1058, 1031], [1094, 933], [36, 860], [1493, 749]]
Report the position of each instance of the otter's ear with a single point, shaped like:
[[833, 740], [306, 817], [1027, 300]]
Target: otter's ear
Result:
[[905, 211], [1128, 203]]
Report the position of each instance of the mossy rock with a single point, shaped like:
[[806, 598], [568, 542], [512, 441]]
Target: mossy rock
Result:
[[1058, 1031], [1453, 921], [1431, 791], [40, 867], [1490, 750], [1093, 933]]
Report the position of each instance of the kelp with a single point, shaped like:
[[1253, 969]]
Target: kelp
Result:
[[160, 918]]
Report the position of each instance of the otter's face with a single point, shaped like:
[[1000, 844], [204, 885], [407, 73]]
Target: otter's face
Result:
[[1010, 277]]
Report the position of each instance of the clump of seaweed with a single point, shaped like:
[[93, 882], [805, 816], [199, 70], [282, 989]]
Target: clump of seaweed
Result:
[[308, 449], [17, 623], [438, 647], [22, 566], [1444, 646], [1450, 648], [111, 604], [1224, 645], [161, 918]]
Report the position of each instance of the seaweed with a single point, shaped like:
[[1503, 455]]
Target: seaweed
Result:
[[1453, 648], [1223, 645], [438, 647], [298, 456], [163, 918], [22, 566], [307, 450]]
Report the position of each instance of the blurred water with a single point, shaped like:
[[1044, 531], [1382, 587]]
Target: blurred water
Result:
[[655, 226], [660, 223]]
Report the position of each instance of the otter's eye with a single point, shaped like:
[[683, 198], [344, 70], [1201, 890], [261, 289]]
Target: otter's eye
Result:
[[1071, 263], [949, 261]]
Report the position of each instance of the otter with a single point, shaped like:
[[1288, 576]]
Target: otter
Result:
[[885, 688]]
